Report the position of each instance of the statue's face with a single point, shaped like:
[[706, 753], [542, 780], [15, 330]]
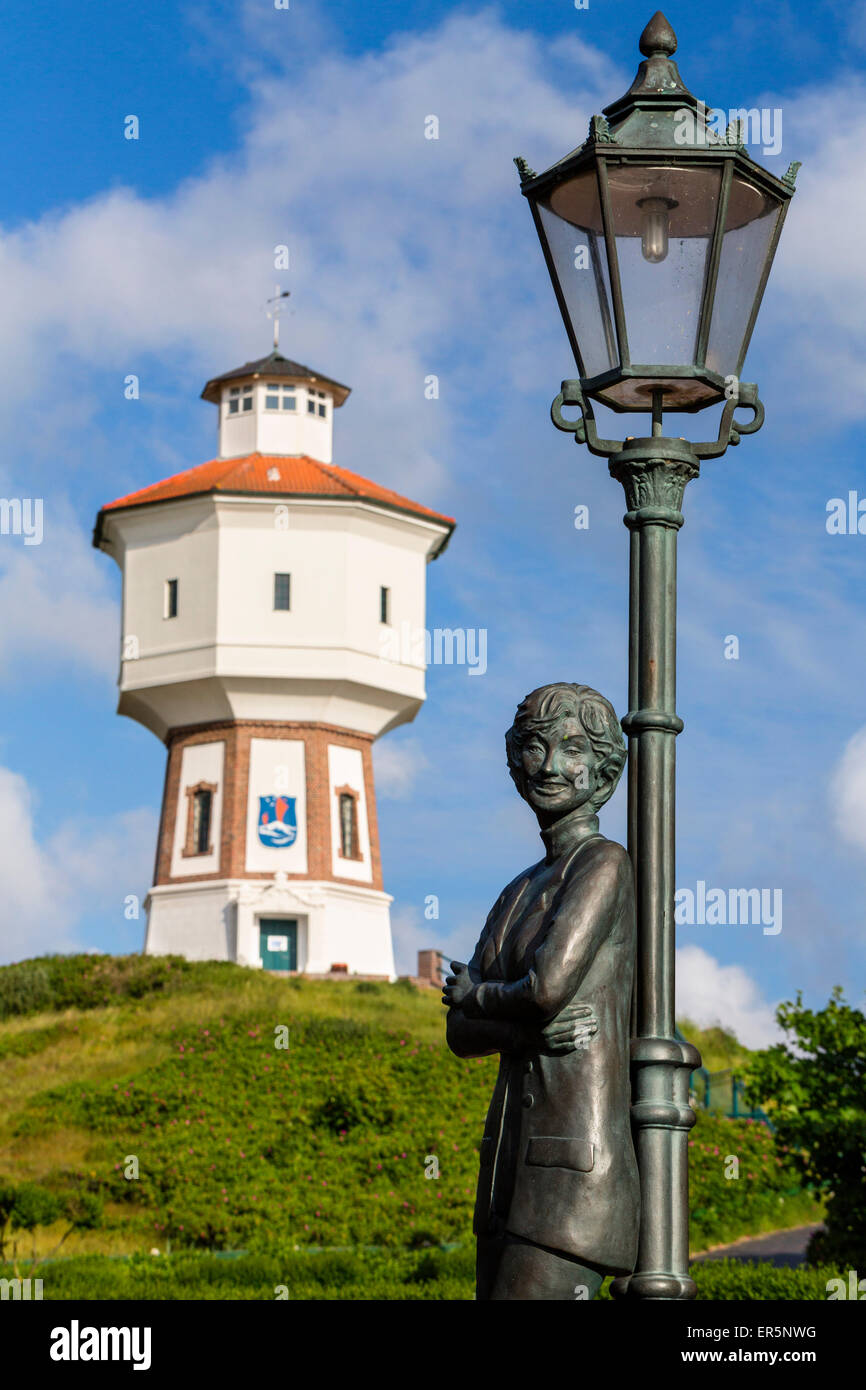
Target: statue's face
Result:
[[560, 769]]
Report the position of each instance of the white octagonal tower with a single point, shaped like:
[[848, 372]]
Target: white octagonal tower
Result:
[[262, 592]]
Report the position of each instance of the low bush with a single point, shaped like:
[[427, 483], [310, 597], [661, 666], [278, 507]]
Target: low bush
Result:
[[359, 1276], [363, 1132], [86, 981]]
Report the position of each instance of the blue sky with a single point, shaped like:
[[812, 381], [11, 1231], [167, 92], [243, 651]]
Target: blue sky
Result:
[[409, 257]]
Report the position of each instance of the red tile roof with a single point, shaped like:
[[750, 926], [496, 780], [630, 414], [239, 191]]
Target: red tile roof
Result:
[[297, 476]]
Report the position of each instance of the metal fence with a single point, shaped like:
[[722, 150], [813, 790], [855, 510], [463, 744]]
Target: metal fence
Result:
[[723, 1093]]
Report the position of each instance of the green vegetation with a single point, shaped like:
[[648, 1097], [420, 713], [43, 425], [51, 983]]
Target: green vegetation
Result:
[[720, 1049], [91, 981], [173, 1070], [817, 1097], [29, 1206], [359, 1276]]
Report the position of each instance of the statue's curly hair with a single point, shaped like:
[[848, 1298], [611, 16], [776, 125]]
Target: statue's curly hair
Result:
[[597, 715]]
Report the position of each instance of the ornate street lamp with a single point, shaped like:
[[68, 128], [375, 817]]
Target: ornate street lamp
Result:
[[659, 235]]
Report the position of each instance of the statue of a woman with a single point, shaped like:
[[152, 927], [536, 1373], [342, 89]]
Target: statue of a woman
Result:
[[549, 989]]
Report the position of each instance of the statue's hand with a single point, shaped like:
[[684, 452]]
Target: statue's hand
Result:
[[458, 986], [573, 1028]]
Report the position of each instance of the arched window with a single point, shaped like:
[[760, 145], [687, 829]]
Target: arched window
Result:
[[201, 802], [199, 819], [347, 804]]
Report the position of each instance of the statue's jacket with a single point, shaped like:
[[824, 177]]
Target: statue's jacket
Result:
[[557, 1162]]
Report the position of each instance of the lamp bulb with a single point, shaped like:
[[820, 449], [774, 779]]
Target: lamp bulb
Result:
[[655, 227]]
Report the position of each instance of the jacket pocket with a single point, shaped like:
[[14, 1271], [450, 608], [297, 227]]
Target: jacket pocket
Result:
[[546, 1152]]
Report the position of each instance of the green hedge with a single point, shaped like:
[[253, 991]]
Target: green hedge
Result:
[[91, 981], [736, 1280], [358, 1276], [243, 1145], [327, 1143]]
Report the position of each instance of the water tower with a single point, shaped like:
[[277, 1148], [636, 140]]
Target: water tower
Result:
[[260, 591]]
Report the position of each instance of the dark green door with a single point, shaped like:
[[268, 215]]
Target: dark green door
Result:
[[278, 943]]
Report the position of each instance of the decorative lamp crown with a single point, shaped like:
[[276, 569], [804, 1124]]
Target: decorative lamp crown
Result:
[[659, 235]]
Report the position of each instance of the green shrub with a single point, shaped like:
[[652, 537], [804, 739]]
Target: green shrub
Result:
[[815, 1085], [739, 1180], [732, 1280], [24, 988], [327, 1143], [85, 981], [361, 1276]]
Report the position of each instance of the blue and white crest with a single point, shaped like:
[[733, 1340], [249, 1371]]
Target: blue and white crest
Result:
[[278, 822]]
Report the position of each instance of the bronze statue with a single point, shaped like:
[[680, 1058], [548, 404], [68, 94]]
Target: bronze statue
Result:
[[549, 989]]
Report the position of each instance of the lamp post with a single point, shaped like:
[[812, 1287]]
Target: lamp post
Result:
[[658, 233]]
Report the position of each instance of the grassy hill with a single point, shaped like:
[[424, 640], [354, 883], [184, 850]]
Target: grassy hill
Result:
[[262, 1113]]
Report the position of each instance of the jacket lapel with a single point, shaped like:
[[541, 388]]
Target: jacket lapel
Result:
[[499, 930], [526, 929]]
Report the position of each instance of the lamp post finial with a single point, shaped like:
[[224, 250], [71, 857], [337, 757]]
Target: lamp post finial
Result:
[[658, 37]]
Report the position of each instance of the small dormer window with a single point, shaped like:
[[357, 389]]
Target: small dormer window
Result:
[[317, 403], [240, 398], [279, 397]]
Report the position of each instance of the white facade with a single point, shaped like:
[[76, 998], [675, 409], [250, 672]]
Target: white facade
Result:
[[346, 775], [275, 416], [277, 767], [228, 653], [220, 920], [201, 763]]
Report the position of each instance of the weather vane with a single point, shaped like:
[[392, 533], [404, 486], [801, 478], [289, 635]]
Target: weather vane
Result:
[[278, 305]]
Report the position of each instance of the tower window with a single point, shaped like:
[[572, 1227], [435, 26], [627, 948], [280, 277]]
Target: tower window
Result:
[[317, 403], [280, 397], [384, 605], [199, 819], [171, 598], [240, 397], [283, 592], [347, 801]]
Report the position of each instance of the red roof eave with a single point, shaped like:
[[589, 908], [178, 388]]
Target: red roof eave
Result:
[[252, 475]]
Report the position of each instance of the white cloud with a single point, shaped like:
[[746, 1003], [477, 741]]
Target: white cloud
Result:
[[848, 791], [818, 284], [411, 933], [56, 603], [54, 890], [397, 243], [398, 766], [709, 993]]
